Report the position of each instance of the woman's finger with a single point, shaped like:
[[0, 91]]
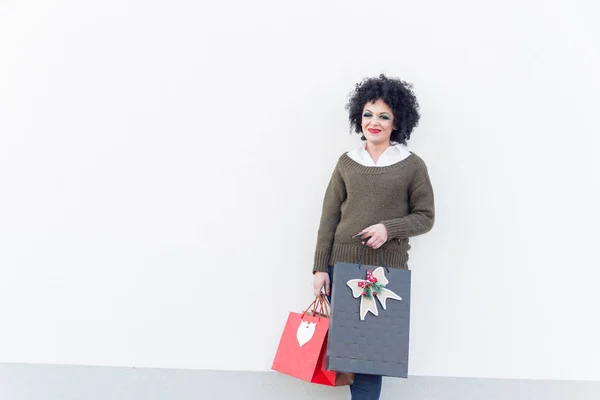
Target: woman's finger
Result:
[[317, 287], [372, 241], [367, 232]]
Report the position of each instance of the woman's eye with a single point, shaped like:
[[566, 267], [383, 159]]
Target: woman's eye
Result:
[[367, 115], [386, 117]]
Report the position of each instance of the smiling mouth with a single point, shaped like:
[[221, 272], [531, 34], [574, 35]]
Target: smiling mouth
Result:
[[374, 130]]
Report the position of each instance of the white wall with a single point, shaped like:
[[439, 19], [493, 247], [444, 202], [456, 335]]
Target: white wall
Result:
[[154, 152]]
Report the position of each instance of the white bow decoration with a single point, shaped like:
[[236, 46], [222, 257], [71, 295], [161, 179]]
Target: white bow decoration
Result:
[[367, 290]]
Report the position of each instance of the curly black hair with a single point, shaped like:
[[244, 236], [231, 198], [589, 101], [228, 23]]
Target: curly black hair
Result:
[[397, 94]]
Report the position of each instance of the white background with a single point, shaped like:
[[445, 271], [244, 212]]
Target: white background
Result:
[[162, 167]]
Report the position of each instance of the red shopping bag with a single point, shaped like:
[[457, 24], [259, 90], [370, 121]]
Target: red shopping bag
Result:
[[301, 351]]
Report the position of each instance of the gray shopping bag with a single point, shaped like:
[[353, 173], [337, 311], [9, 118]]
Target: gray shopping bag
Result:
[[359, 340]]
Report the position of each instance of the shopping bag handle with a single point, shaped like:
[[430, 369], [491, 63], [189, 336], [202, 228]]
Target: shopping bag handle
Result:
[[324, 306], [379, 253], [320, 306], [311, 305]]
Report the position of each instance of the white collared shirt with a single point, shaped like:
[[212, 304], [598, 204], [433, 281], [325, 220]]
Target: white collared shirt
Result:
[[391, 155]]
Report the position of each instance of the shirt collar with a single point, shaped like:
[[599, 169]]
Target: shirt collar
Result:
[[396, 146]]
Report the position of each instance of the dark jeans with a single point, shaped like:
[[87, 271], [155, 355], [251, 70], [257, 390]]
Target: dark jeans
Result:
[[365, 387]]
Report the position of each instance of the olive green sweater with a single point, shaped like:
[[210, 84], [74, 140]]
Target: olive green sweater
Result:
[[399, 196]]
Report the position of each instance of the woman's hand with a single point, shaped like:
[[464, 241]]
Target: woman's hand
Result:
[[321, 279], [378, 235]]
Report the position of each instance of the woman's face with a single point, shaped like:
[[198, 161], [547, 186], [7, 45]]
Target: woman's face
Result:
[[377, 122]]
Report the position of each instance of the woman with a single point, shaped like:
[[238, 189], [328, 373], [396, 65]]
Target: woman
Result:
[[379, 192]]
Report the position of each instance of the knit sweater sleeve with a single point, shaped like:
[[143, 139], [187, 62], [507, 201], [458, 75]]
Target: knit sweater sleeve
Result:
[[335, 195], [421, 218]]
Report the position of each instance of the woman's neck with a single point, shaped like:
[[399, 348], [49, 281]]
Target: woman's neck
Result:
[[376, 150]]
